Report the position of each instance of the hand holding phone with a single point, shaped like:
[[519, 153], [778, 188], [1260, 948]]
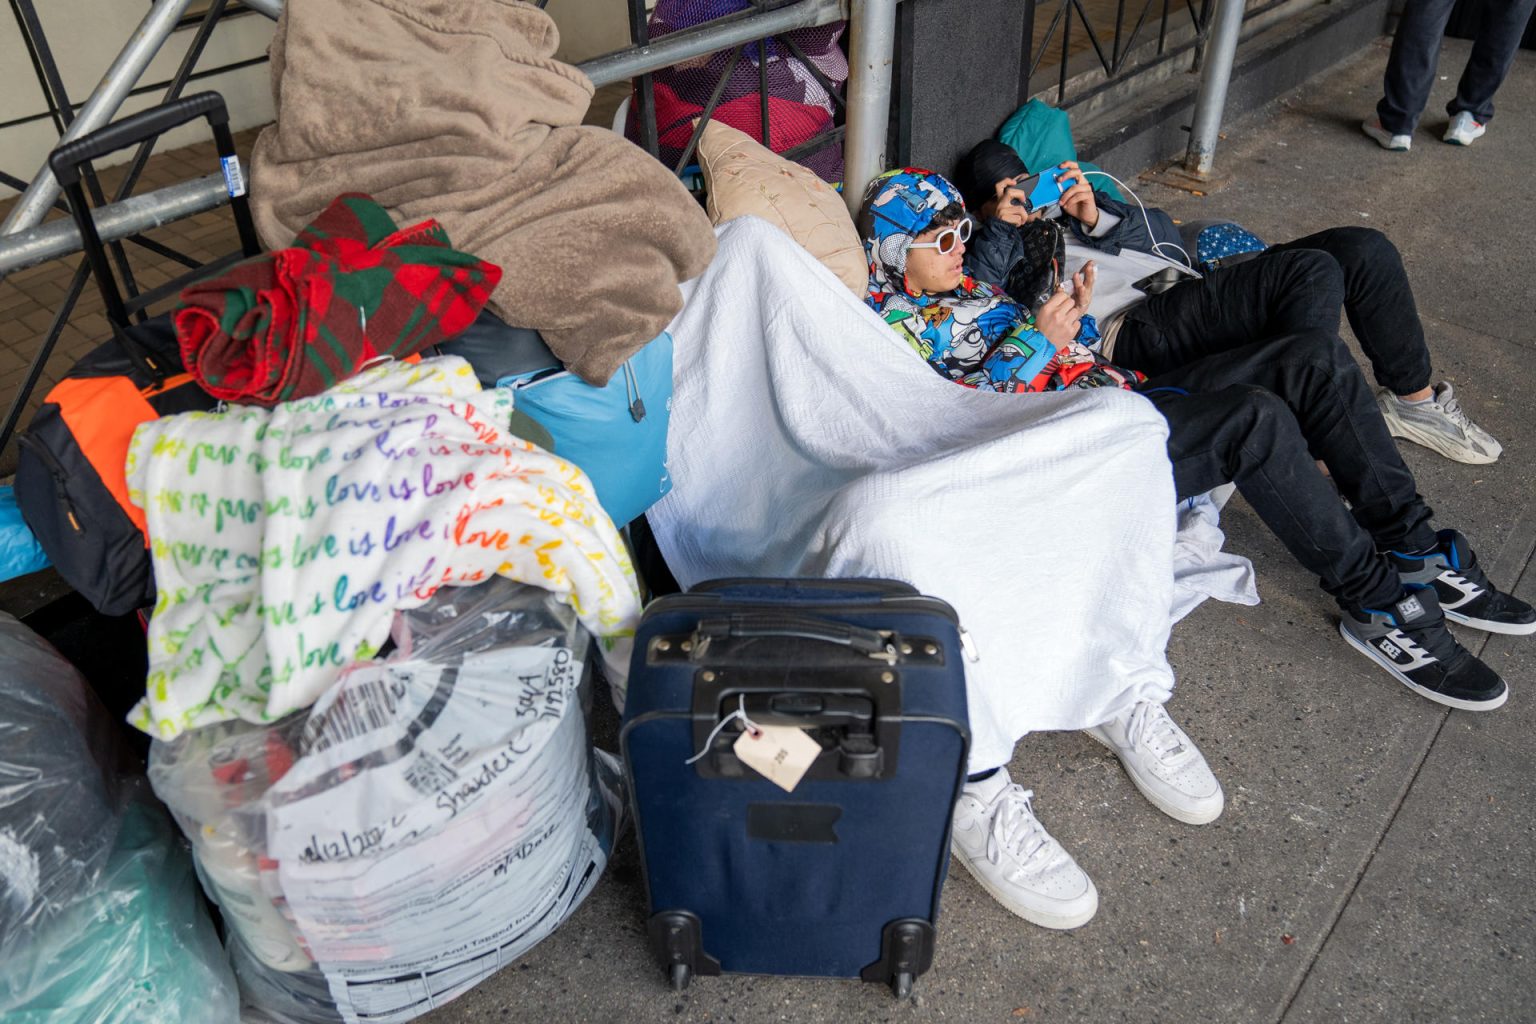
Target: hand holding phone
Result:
[[1077, 199]]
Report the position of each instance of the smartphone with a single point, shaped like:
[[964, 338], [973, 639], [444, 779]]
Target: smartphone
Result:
[[1041, 191]]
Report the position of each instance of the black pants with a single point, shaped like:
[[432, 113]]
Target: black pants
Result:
[[1293, 286], [1416, 49], [1259, 416]]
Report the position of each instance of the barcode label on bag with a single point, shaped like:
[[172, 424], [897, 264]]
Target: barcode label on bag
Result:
[[361, 707]]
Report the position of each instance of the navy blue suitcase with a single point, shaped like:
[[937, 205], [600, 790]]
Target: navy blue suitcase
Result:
[[841, 877]]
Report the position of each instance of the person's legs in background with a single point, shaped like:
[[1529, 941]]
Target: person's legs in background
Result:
[[1411, 67], [1502, 24]]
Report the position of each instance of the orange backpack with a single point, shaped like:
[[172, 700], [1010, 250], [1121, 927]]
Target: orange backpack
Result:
[[70, 479]]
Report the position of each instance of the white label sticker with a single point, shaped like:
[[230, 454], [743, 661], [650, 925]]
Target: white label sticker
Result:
[[780, 753], [234, 178]]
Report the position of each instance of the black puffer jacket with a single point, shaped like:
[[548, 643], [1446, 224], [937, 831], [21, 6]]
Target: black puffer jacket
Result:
[[996, 248], [993, 253]]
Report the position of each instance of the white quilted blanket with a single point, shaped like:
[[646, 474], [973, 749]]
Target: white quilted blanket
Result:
[[807, 440]]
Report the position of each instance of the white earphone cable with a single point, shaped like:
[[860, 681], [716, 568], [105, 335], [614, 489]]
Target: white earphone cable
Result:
[[1156, 245]]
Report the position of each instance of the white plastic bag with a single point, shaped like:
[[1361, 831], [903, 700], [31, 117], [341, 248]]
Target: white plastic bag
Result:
[[429, 820]]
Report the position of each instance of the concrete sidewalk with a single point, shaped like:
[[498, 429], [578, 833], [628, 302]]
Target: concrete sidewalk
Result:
[[1377, 859]]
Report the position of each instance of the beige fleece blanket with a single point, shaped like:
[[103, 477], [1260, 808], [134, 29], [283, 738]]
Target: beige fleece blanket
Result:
[[456, 109]]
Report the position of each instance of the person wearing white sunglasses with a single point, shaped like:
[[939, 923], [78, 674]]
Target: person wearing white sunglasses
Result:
[[914, 226], [946, 239], [947, 315]]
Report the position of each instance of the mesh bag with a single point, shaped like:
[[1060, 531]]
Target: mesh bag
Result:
[[799, 106]]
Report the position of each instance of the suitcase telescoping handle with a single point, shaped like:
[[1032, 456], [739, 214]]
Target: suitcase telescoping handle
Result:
[[67, 160], [878, 645]]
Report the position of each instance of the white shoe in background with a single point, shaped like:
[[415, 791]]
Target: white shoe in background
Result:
[[1463, 129], [1384, 138]]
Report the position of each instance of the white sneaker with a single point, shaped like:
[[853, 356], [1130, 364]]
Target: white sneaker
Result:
[[1163, 762], [1439, 425], [1000, 841], [1385, 139], [1463, 129]]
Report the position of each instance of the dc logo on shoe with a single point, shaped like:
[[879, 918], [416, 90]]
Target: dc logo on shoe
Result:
[[1391, 650], [1410, 608]]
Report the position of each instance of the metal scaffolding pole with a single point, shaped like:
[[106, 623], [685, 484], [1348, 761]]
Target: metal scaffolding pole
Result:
[[105, 101], [114, 221], [722, 34], [1211, 99], [872, 44]]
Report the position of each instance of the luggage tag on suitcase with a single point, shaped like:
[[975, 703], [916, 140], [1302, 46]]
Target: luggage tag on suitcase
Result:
[[782, 754]]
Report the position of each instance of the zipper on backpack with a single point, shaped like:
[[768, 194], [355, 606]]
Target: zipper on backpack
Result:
[[631, 386], [632, 392], [60, 477], [538, 377]]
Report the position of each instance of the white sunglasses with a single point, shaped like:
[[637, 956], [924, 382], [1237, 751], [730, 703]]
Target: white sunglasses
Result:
[[948, 238]]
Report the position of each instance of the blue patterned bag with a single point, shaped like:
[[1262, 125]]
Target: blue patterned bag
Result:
[[1219, 243]]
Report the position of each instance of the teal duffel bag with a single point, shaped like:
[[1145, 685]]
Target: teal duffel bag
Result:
[[617, 433]]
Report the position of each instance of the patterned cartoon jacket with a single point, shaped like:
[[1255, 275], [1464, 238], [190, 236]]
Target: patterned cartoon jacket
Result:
[[975, 335]]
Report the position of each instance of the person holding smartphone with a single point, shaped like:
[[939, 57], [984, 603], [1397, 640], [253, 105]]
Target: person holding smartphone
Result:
[[970, 330], [1301, 285], [915, 230]]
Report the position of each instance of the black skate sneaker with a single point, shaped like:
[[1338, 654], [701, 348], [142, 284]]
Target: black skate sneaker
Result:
[[1465, 594], [1410, 641]]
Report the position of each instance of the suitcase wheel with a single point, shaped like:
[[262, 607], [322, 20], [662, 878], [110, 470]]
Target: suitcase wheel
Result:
[[906, 950], [675, 939]]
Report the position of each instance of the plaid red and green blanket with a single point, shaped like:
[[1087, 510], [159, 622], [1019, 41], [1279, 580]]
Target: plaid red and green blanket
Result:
[[291, 323]]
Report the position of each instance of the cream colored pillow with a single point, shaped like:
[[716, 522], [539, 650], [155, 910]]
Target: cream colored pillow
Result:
[[744, 178]]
